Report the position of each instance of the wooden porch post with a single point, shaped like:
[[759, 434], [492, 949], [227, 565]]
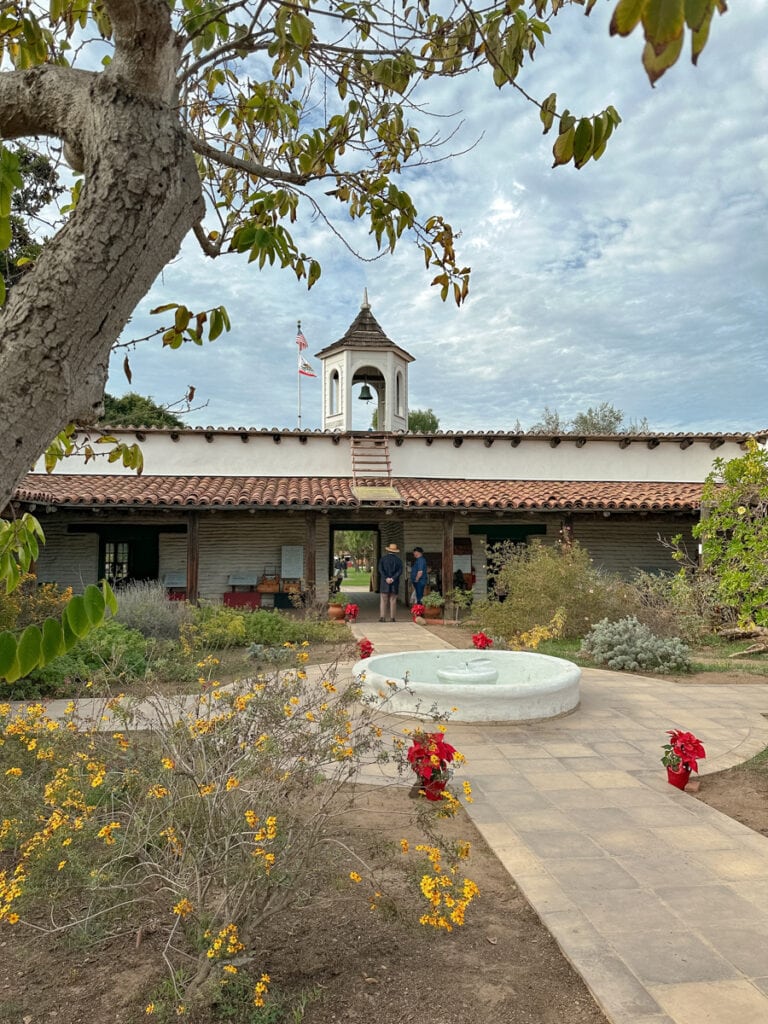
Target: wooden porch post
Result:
[[310, 556], [448, 522], [193, 556]]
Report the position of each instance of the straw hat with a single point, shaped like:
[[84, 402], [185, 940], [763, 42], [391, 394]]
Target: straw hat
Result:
[[393, 548]]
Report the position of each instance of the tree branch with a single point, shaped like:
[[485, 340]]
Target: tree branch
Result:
[[249, 166], [147, 50], [43, 101], [206, 244]]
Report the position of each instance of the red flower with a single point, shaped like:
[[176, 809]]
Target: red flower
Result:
[[364, 648], [417, 611], [687, 747], [429, 754], [351, 612], [481, 641]]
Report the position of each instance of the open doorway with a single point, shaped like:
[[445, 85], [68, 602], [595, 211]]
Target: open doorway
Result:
[[354, 556]]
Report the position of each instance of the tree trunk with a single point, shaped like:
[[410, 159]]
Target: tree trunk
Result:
[[140, 197]]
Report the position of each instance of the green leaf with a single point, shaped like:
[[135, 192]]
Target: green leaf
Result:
[[95, 604], [76, 616], [109, 597], [656, 64], [700, 36], [29, 649], [7, 653], [697, 12], [626, 16], [582, 142], [5, 232], [53, 640], [663, 21], [547, 112], [563, 147]]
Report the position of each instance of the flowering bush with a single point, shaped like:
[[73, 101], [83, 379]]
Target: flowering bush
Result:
[[351, 612], [682, 752], [417, 611], [481, 641], [364, 648], [204, 814]]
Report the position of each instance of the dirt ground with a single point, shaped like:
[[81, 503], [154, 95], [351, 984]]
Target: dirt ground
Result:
[[347, 964], [339, 963]]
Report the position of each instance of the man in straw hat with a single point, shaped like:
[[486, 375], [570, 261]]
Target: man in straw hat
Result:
[[390, 571]]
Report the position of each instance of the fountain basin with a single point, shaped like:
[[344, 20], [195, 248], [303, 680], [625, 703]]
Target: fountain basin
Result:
[[526, 686]]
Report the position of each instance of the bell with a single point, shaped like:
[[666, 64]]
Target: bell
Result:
[[365, 394]]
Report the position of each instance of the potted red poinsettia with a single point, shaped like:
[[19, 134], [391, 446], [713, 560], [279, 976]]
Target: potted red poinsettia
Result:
[[681, 757], [351, 611], [429, 756], [417, 611], [364, 647]]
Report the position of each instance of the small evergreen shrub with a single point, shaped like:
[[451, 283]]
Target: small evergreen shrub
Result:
[[144, 605], [628, 645]]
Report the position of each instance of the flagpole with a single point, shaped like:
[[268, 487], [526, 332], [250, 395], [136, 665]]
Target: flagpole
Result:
[[298, 376]]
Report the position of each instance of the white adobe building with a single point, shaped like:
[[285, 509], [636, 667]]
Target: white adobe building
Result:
[[249, 516]]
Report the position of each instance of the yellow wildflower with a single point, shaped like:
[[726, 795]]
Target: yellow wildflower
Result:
[[355, 877], [232, 783], [183, 908], [14, 772]]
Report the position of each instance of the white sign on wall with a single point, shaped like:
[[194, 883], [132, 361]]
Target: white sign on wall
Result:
[[292, 566]]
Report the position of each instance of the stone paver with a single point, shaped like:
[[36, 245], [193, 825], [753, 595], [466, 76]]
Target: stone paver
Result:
[[659, 901]]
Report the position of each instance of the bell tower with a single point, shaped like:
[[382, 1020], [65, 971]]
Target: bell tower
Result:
[[366, 356]]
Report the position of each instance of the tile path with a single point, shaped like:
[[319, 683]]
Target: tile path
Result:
[[659, 901]]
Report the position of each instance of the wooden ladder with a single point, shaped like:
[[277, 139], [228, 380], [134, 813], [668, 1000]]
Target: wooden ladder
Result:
[[370, 458]]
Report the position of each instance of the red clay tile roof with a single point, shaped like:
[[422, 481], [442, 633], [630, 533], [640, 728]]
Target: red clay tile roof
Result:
[[276, 492]]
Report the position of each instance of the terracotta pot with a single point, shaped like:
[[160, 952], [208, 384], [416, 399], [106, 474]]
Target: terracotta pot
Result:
[[432, 612], [335, 611], [678, 778]]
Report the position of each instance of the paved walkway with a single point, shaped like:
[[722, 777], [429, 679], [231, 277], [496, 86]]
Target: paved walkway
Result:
[[658, 901]]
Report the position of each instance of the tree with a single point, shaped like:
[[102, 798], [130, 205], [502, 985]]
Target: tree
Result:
[[550, 423], [423, 421], [251, 111], [134, 410], [420, 421], [734, 532], [602, 419], [39, 188]]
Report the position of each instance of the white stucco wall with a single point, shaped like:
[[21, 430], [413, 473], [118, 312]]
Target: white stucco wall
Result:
[[223, 453]]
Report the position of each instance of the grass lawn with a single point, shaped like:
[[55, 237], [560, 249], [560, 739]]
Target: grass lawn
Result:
[[356, 578]]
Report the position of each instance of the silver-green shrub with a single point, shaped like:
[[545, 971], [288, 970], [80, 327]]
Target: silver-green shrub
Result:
[[628, 645], [144, 605]]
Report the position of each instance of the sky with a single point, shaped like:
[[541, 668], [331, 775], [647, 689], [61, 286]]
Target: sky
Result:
[[639, 280]]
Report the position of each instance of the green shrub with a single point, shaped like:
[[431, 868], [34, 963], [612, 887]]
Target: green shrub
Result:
[[109, 654], [216, 627], [144, 605], [532, 584], [627, 645]]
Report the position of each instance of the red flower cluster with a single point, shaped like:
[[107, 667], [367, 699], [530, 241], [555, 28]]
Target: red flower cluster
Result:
[[683, 751], [429, 754], [364, 648], [417, 611], [481, 641], [351, 612]]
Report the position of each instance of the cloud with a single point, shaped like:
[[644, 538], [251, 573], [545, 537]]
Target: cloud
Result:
[[639, 280]]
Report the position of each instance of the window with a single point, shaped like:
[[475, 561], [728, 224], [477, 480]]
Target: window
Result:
[[116, 561], [399, 394], [334, 392]]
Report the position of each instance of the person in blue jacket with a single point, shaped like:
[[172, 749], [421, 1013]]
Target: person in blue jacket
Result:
[[419, 574], [390, 571]]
